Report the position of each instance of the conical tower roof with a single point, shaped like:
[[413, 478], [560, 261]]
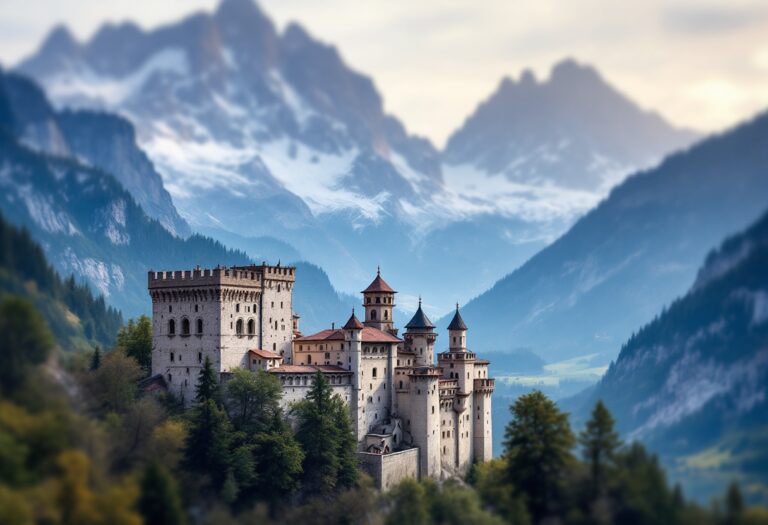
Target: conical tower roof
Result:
[[379, 285], [353, 323], [419, 321], [457, 323]]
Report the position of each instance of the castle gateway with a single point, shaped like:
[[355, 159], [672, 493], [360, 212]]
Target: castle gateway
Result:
[[413, 417]]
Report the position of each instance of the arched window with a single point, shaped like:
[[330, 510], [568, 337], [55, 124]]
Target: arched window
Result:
[[185, 326], [251, 327], [373, 315], [309, 359], [239, 327], [172, 327], [386, 315], [200, 327]]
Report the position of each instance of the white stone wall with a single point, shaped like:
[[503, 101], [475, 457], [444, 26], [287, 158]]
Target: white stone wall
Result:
[[482, 432], [422, 421], [278, 316], [387, 470], [296, 386], [376, 390], [178, 358]]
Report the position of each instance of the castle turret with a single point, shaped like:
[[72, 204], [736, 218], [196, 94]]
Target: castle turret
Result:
[[457, 333], [420, 338], [379, 301], [353, 336]]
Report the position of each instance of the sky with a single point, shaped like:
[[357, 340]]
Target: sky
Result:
[[700, 63]]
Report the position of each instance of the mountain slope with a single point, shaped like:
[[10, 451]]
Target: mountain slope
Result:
[[77, 318], [638, 250], [572, 130], [90, 226], [693, 383], [259, 132], [99, 139]]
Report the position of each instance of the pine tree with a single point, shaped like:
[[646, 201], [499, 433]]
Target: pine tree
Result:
[[599, 443], [159, 502], [136, 339], [25, 342], [323, 435], [279, 460], [538, 443], [734, 505], [207, 449], [207, 387], [96, 358], [253, 400]]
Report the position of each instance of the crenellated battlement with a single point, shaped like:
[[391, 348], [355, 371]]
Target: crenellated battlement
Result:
[[251, 276]]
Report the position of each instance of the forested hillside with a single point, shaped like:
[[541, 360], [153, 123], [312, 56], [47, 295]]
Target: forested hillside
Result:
[[77, 318], [693, 383]]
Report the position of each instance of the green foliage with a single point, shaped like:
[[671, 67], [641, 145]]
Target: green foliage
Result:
[[96, 358], [112, 386], [326, 436], [159, 502], [207, 451], [25, 342], [207, 388], [253, 400], [279, 459], [135, 339], [538, 443], [599, 442]]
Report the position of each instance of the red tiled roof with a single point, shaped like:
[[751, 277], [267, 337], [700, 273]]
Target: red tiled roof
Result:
[[379, 285], [308, 369], [353, 323], [267, 354], [328, 334], [293, 369], [369, 335], [374, 335]]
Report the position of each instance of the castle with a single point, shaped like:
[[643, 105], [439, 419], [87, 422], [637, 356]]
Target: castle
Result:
[[413, 417]]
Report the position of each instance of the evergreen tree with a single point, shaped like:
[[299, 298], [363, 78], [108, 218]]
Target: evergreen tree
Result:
[[347, 449], [538, 443], [207, 449], [207, 386], [279, 460], [599, 443], [96, 358], [136, 339], [324, 435], [253, 400], [159, 502], [734, 505], [25, 342], [409, 504]]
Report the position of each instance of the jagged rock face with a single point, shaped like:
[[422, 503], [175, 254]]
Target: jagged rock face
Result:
[[219, 91], [260, 132], [99, 139], [572, 130]]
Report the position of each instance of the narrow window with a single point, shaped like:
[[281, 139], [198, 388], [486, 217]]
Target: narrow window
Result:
[[251, 327], [199, 357], [239, 327], [200, 326], [172, 357], [170, 308], [373, 315], [374, 371], [195, 308], [171, 327], [185, 326], [237, 307]]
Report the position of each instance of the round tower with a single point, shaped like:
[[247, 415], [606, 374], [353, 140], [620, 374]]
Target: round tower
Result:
[[457, 333], [420, 338], [353, 330], [379, 302]]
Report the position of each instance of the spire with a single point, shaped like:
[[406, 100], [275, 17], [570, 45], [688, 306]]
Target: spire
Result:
[[419, 321], [457, 323], [353, 323], [379, 285]]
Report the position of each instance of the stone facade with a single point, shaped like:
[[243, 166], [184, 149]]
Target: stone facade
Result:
[[412, 417]]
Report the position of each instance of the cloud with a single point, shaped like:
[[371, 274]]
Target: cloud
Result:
[[707, 19]]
